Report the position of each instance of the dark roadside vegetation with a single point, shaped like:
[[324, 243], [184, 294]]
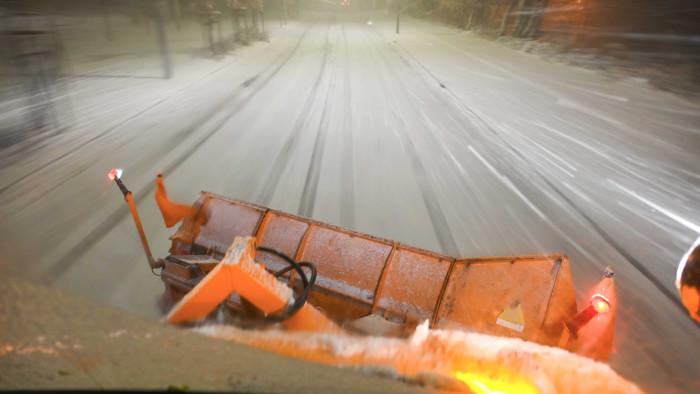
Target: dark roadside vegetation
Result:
[[658, 41]]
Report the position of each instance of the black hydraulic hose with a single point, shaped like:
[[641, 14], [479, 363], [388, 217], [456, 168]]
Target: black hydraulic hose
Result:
[[289, 310]]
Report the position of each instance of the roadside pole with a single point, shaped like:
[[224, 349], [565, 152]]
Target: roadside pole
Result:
[[262, 18], [107, 19], [398, 15], [162, 42], [284, 11], [178, 14]]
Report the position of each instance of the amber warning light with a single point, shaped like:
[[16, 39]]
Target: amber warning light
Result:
[[600, 303], [115, 174]]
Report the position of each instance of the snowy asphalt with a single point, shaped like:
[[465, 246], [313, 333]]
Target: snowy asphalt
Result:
[[434, 137]]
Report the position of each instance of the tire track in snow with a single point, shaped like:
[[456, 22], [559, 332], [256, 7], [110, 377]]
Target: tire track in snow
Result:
[[171, 142], [77, 251], [308, 195], [281, 161], [347, 173], [480, 120], [448, 245], [124, 121]]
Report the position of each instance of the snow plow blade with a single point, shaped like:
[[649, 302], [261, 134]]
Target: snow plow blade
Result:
[[380, 287], [230, 256]]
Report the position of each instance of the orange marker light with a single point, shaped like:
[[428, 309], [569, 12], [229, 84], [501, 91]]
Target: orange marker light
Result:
[[600, 303], [115, 174]]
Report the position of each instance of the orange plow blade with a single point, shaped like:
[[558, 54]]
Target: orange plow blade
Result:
[[363, 280], [361, 275], [239, 273], [477, 324]]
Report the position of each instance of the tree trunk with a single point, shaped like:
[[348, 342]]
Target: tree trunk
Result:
[[504, 22], [475, 9]]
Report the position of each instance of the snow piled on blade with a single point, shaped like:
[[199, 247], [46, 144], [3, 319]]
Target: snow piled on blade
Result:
[[447, 359]]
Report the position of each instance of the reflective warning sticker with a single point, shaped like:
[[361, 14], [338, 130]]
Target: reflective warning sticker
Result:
[[512, 317]]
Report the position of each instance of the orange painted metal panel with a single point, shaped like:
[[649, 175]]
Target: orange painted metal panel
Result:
[[412, 283], [282, 233], [347, 264], [204, 297], [239, 273], [336, 306], [562, 305], [227, 220], [480, 291], [188, 231]]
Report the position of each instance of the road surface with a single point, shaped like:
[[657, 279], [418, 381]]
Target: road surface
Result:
[[433, 137]]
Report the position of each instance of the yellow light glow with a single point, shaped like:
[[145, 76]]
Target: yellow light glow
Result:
[[479, 383], [601, 307], [600, 303]]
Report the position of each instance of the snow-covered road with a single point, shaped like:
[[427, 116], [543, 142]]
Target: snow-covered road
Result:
[[434, 137]]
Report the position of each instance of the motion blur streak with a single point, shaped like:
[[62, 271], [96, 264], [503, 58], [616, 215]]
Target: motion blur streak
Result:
[[435, 137]]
